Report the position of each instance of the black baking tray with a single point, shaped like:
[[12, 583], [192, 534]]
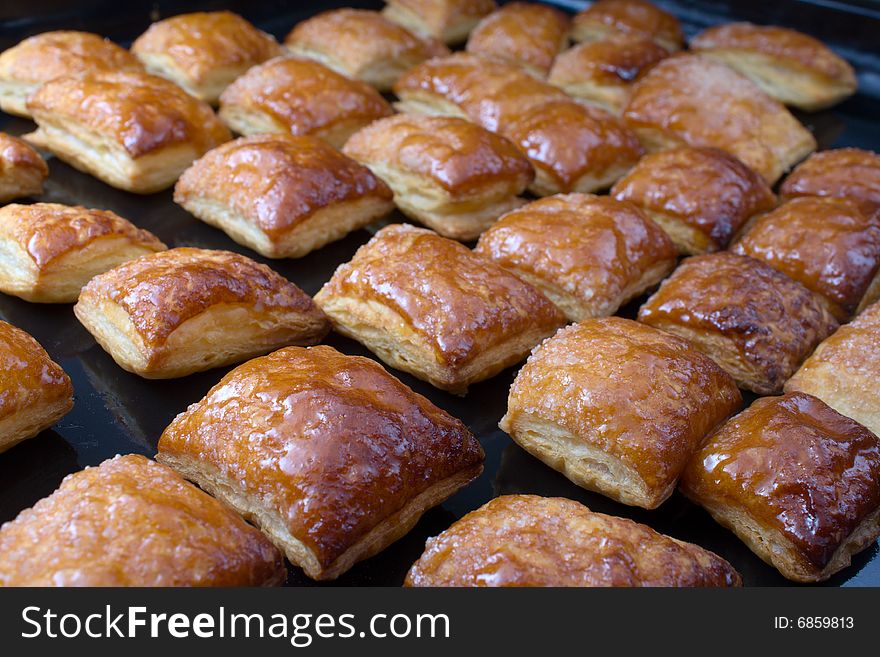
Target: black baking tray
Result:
[[119, 413]]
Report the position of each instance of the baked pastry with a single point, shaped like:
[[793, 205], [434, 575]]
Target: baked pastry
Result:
[[300, 97], [329, 454], [22, 170], [50, 55], [133, 522], [429, 306], [827, 244], [788, 65], [701, 197], [134, 131], [527, 540], [204, 51], [362, 44], [618, 407], [588, 254], [447, 173], [693, 100], [796, 481], [34, 391], [524, 33], [282, 195], [449, 21], [604, 19], [754, 321], [49, 251], [186, 310]]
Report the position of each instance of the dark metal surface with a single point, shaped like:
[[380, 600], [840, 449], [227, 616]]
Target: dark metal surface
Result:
[[117, 412]]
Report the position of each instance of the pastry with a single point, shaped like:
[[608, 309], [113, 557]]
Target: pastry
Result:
[[332, 457], [449, 21], [429, 306], [282, 195], [186, 310], [49, 251], [447, 173], [604, 19], [588, 254], [796, 481], [133, 522], [22, 170], [754, 321]]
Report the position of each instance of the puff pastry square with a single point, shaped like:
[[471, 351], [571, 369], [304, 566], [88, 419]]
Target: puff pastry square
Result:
[[449, 21], [133, 522], [796, 481], [605, 19], [204, 51], [701, 197], [527, 540], [281, 195], [447, 173], [186, 310], [22, 170], [754, 321], [429, 306], [588, 254], [329, 454]]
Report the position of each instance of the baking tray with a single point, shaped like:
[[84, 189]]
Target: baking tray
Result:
[[119, 413]]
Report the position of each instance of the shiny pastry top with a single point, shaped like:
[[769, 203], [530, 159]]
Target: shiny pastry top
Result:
[[333, 442], [439, 18], [527, 540], [614, 61], [604, 18], [843, 172], [16, 155]]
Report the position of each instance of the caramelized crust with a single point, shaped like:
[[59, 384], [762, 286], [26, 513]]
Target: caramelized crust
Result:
[[133, 522], [22, 170], [448, 20], [606, 18], [526, 540]]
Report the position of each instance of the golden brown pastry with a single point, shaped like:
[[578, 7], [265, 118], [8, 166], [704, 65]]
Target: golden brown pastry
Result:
[[618, 407], [22, 170], [754, 321], [449, 21], [186, 310], [796, 481], [134, 131], [300, 97], [133, 522], [788, 65], [588, 254], [282, 195], [527, 540], [362, 44], [827, 244], [524, 33], [204, 51], [50, 55], [693, 100], [700, 196], [447, 173], [608, 18], [34, 391], [429, 306], [329, 454], [49, 251]]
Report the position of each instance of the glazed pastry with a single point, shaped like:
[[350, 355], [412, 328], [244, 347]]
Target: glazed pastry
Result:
[[49, 251], [447, 173], [429, 306], [695, 101], [754, 321], [527, 540], [588, 254], [50, 55], [204, 52], [796, 481], [22, 170], [449, 21], [133, 522], [827, 244], [282, 195], [186, 310], [790, 66], [618, 407], [604, 19], [300, 97], [329, 454], [134, 131], [524, 33], [362, 44], [701, 197], [34, 391]]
